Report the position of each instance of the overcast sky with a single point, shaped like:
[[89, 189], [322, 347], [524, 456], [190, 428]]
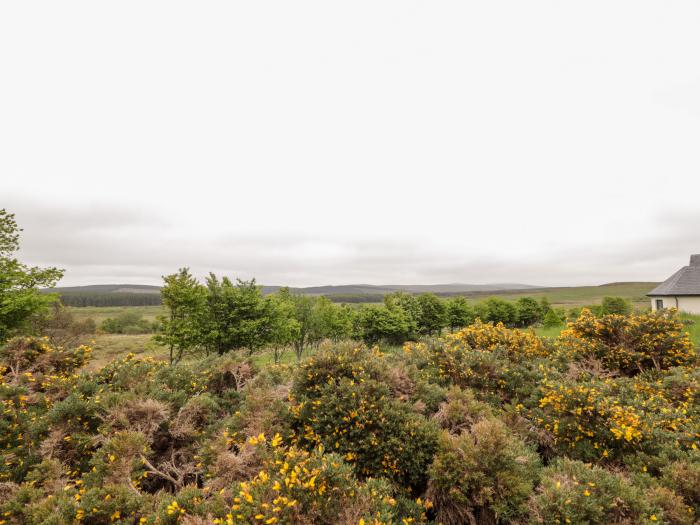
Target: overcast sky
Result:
[[385, 142]]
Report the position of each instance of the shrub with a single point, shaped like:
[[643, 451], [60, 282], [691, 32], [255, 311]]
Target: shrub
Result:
[[683, 477], [606, 419], [491, 360], [338, 403], [573, 492], [630, 344], [488, 337], [28, 359], [460, 411], [529, 311], [615, 305], [128, 322], [675, 510], [298, 486], [551, 319], [484, 475]]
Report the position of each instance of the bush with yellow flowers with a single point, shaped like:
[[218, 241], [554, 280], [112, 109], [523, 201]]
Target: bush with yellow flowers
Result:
[[629, 344], [606, 419], [339, 402], [498, 370], [28, 359], [33, 375], [517, 344], [298, 486]]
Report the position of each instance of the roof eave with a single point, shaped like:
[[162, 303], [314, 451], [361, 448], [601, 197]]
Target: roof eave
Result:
[[651, 294]]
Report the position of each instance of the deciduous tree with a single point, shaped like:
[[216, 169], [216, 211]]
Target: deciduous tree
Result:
[[20, 296]]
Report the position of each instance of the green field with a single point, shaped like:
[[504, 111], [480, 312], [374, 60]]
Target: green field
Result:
[[574, 296], [100, 313]]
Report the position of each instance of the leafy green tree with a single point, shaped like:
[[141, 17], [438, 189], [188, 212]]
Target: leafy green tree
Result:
[[285, 327], [615, 305], [409, 310], [499, 311], [545, 306], [459, 313], [185, 301], [380, 323], [529, 311], [20, 297], [332, 321], [551, 319], [304, 312], [238, 316], [432, 314]]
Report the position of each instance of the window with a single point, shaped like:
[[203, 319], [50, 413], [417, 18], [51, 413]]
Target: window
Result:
[[659, 304]]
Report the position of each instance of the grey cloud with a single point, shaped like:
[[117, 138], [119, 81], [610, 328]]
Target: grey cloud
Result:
[[120, 244]]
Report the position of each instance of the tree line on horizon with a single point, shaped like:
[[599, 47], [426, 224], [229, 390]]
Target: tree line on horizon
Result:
[[222, 315]]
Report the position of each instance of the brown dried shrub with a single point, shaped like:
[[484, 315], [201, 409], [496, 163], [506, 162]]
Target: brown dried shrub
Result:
[[140, 415]]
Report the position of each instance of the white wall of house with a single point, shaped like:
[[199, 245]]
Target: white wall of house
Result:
[[690, 304]]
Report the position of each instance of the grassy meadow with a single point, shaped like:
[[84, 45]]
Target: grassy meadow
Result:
[[576, 296]]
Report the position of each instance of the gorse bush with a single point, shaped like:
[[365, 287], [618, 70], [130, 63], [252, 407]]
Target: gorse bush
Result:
[[340, 402], [484, 475], [629, 344], [573, 492], [498, 363], [488, 337]]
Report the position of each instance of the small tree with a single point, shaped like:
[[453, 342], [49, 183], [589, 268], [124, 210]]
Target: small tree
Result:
[[305, 314], [60, 326], [432, 314], [551, 319], [184, 299], [20, 297], [499, 311], [615, 305], [408, 304], [459, 313], [529, 311], [545, 306], [238, 316], [333, 321], [285, 328], [378, 323]]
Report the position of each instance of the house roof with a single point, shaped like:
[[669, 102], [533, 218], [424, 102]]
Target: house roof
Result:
[[685, 281]]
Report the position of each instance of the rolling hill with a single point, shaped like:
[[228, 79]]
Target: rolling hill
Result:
[[145, 295]]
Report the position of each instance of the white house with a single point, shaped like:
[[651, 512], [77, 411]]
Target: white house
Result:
[[681, 290]]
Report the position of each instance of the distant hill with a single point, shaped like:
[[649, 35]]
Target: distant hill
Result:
[[108, 288], [108, 295], [350, 289], [146, 295], [570, 296]]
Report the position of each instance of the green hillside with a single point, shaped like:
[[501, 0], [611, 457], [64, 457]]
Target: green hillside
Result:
[[572, 296]]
